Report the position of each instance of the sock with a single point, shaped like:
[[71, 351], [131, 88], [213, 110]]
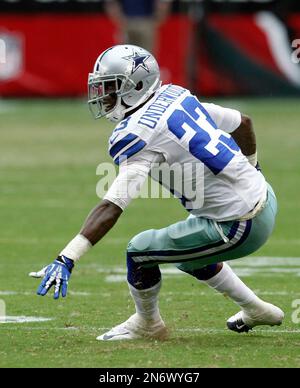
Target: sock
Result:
[[146, 302], [228, 283]]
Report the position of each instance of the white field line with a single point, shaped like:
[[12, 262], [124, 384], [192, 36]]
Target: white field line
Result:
[[22, 319], [263, 261], [107, 240], [38, 241], [186, 330], [197, 292], [266, 266], [247, 272], [266, 261]]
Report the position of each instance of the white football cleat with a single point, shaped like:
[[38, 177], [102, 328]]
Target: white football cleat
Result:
[[267, 314], [135, 328]]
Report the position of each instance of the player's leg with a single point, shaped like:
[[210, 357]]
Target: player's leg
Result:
[[144, 284], [254, 311], [207, 244], [144, 276]]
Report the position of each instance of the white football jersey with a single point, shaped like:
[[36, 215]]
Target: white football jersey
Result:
[[175, 129]]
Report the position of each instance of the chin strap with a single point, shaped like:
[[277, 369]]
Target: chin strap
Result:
[[120, 110], [118, 113]]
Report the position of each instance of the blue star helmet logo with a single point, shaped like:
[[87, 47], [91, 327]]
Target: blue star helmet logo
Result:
[[138, 61]]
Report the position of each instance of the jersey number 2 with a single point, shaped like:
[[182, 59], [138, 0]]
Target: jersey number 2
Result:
[[198, 133]]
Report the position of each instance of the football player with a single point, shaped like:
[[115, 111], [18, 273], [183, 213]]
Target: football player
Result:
[[158, 124]]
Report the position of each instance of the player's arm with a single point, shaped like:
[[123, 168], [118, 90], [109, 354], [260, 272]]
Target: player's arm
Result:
[[239, 126], [101, 219], [245, 137], [126, 186], [132, 175]]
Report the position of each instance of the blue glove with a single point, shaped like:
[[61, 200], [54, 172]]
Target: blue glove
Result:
[[57, 274]]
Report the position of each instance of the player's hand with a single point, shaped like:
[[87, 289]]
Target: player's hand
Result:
[[56, 274]]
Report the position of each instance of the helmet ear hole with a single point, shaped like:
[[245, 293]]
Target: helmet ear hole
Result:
[[139, 85]]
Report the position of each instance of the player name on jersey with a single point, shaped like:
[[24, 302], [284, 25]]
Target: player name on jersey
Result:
[[155, 111]]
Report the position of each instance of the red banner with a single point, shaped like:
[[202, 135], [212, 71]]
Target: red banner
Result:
[[52, 54], [57, 51]]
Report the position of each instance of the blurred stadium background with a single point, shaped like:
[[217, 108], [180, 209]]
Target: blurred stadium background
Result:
[[214, 47], [242, 54]]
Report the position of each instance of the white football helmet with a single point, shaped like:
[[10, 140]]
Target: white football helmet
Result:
[[124, 77]]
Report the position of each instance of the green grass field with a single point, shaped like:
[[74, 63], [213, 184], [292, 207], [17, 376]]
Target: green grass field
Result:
[[48, 159]]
